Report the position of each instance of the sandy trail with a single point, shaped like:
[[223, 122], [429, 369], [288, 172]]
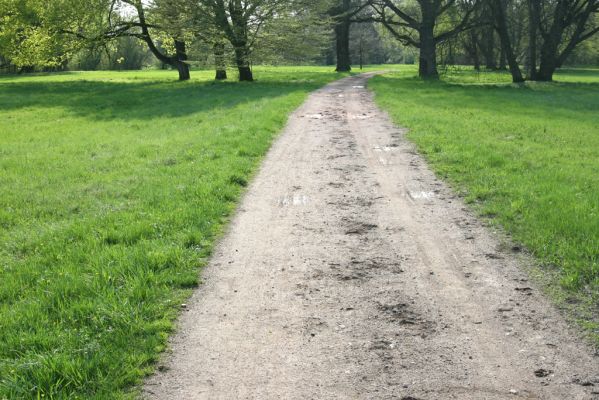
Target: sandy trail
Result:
[[351, 272]]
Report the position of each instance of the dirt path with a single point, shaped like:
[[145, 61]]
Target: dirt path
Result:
[[351, 272]]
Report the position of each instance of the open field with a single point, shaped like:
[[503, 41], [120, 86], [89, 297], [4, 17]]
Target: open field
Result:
[[114, 188], [116, 185], [526, 157]]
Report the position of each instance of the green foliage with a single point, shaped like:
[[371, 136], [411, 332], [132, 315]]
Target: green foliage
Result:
[[34, 32], [119, 184]]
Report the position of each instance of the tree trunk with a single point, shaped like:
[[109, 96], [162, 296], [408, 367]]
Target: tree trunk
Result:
[[428, 52], [471, 46], [183, 69], [361, 49], [549, 56], [180, 61], [243, 63], [550, 48], [546, 69], [534, 21], [342, 30], [502, 59], [506, 43], [26, 69], [488, 49], [220, 64]]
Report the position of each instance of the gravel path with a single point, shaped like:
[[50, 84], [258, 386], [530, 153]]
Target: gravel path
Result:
[[351, 272]]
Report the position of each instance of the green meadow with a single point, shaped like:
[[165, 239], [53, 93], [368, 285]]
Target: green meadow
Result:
[[114, 187]]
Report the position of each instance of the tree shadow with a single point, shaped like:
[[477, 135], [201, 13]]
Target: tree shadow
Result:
[[145, 100], [572, 98]]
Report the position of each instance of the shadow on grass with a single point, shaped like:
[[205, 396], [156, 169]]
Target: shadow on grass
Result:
[[541, 97], [130, 100]]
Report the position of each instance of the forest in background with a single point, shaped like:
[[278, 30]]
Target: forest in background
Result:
[[530, 38]]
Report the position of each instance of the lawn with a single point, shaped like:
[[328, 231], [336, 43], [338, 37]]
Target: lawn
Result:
[[114, 187], [526, 157]]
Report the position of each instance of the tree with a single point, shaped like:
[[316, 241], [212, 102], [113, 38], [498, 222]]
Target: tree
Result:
[[297, 35], [419, 24], [33, 33], [220, 63], [563, 25], [240, 22], [136, 19], [366, 44], [341, 14], [499, 8]]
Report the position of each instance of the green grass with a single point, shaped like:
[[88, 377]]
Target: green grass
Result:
[[116, 185], [526, 157], [114, 188]]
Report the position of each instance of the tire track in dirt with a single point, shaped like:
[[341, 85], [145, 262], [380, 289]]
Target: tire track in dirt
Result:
[[351, 272]]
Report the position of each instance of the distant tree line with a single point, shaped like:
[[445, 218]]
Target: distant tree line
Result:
[[530, 38]]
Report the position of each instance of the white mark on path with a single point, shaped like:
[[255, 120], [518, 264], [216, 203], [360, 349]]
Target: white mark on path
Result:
[[421, 195], [385, 149], [360, 116], [314, 116], [357, 87], [295, 200], [384, 161]]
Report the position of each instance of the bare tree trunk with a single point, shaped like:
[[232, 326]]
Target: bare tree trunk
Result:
[[471, 47], [26, 69], [342, 30], [502, 59], [242, 56], [551, 42], [180, 61], [361, 48], [428, 53], [489, 49], [499, 12], [219, 61], [533, 24]]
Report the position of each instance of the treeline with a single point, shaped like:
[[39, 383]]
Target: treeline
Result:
[[531, 38]]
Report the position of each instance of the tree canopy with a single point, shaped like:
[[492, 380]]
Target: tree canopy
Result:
[[530, 37]]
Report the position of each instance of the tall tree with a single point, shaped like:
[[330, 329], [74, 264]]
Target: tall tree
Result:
[[499, 9], [417, 24], [146, 21], [241, 22], [534, 20], [563, 25], [342, 30], [33, 33]]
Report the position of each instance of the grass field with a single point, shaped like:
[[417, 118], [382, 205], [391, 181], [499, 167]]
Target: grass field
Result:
[[114, 187], [526, 157]]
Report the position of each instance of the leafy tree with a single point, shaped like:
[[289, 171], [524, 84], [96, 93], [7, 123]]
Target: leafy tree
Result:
[[153, 24], [240, 23], [36, 33]]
